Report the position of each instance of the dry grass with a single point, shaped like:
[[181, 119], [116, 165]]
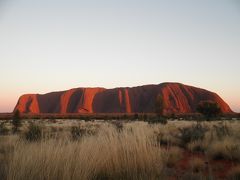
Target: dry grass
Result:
[[125, 155], [197, 146], [228, 148], [6, 149], [135, 150]]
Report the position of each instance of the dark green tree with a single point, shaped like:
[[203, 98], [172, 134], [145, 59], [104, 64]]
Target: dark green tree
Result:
[[16, 121], [209, 109]]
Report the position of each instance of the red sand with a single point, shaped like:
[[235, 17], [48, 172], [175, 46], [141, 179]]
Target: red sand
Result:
[[218, 168]]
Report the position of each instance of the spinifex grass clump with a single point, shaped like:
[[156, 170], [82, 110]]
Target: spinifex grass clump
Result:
[[79, 131], [227, 148], [171, 156], [192, 133], [118, 125], [3, 129], [34, 132], [222, 130]]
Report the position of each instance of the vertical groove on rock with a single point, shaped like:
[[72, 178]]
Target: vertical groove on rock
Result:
[[65, 98], [120, 97], [127, 101]]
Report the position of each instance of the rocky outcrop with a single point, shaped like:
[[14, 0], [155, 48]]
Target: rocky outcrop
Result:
[[178, 98]]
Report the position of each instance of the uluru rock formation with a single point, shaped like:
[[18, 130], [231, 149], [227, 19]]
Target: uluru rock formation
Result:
[[178, 98]]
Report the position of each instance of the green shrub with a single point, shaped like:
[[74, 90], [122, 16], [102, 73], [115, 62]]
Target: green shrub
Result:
[[34, 132]]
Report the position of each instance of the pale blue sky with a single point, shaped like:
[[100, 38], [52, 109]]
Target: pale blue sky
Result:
[[51, 45]]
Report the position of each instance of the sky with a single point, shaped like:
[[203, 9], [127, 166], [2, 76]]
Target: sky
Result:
[[53, 45]]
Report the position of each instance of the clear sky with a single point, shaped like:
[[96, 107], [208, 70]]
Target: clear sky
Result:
[[49, 45]]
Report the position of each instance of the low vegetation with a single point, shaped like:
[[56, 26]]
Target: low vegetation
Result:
[[209, 109], [16, 121], [76, 149], [193, 133], [34, 132]]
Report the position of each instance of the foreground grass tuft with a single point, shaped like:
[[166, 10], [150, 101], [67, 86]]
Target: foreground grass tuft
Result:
[[34, 133], [110, 155], [228, 148]]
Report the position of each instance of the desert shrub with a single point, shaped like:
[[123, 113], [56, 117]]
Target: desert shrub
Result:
[[162, 120], [234, 173], [86, 118], [157, 119], [197, 165], [192, 133], [53, 120], [34, 132], [228, 148], [209, 109], [162, 139], [136, 116], [197, 146], [145, 117], [222, 130], [195, 176], [16, 121], [171, 156], [124, 117], [78, 132], [172, 115], [118, 125], [3, 129], [167, 139]]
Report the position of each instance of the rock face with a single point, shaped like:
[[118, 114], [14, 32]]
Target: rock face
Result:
[[178, 98]]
